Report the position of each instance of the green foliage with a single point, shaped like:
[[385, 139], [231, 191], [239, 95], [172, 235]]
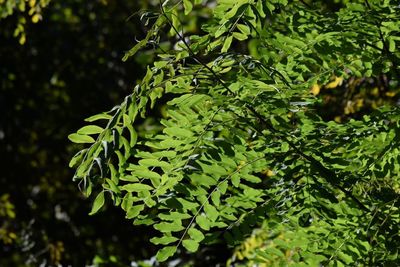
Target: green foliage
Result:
[[242, 150]]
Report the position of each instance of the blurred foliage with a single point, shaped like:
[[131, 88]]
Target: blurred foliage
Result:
[[7, 217], [22, 10], [353, 97], [69, 65]]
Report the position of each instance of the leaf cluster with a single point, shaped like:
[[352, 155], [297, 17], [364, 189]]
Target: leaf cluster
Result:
[[241, 148]]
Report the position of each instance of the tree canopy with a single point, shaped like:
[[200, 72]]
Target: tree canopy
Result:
[[244, 155], [244, 133]]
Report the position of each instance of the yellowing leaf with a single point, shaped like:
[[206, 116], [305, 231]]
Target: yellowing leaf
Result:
[[22, 39], [315, 89], [335, 83], [36, 18], [390, 94]]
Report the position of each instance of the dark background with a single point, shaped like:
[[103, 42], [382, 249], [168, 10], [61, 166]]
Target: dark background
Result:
[[69, 68]]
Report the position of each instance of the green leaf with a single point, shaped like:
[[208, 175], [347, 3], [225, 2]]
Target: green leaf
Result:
[[167, 154], [227, 44], [90, 129], [113, 186], [133, 135], [243, 28], [213, 169], [220, 31], [134, 211], [203, 222], [134, 49], [239, 36], [129, 178], [149, 202], [160, 64], [235, 179], [154, 177], [187, 204], [101, 116], [190, 245], [196, 234], [80, 139], [344, 257], [155, 163], [251, 178], [188, 6], [146, 221], [164, 253], [285, 147], [77, 158], [260, 8], [147, 174], [97, 203], [172, 216], [215, 197], [211, 212], [137, 187], [178, 132], [165, 240], [126, 120], [392, 45]]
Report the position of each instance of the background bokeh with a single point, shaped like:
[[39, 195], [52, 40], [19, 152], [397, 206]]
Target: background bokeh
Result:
[[68, 68]]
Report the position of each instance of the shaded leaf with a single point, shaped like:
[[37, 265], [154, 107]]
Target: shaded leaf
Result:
[[164, 253], [97, 203]]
